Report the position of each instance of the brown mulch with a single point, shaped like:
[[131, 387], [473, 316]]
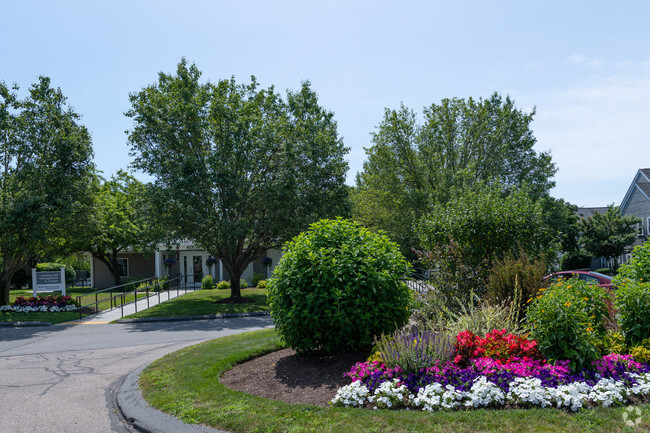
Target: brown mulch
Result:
[[287, 377]]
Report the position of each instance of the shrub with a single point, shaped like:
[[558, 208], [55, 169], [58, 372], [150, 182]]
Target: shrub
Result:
[[242, 283], [480, 317], [641, 352], [496, 345], [413, 349], [578, 259], [256, 279], [223, 285], [633, 304], [515, 277], [337, 287], [207, 283], [261, 284], [567, 320], [638, 268]]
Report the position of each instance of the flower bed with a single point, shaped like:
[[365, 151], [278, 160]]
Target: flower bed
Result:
[[485, 382], [51, 303]]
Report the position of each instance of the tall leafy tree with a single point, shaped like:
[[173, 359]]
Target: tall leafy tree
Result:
[[46, 167], [461, 143], [121, 221], [608, 234], [238, 169]]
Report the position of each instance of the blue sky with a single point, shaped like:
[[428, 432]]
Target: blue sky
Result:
[[584, 65]]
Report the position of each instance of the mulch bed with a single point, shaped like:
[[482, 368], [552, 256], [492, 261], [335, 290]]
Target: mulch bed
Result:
[[287, 377]]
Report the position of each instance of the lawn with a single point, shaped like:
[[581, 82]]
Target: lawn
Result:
[[201, 302], [186, 385], [60, 317]]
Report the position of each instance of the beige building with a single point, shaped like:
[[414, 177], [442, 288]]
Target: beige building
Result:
[[185, 260]]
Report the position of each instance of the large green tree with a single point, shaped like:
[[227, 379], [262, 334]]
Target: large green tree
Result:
[[46, 167], [460, 143], [121, 221], [238, 169], [608, 234]]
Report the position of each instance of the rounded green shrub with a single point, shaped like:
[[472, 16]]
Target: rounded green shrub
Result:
[[223, 285], [633, 304], [261, 284], [338, 286], [257, 277], [567, 320], [207, 283]]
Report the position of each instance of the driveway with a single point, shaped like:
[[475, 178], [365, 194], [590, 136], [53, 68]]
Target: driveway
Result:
[[61, 378]]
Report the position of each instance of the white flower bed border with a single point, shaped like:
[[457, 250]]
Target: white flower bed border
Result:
[[524, 392], [41, 309]]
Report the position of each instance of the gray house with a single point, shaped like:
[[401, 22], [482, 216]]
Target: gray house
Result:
[[184, 259], [637, 202]]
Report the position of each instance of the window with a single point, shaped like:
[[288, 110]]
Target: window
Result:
[[639, 227], [123, 267], [648, 226], [590, 279]]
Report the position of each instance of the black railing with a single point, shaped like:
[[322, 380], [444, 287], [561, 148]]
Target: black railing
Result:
[[119, 296], [419, 283]]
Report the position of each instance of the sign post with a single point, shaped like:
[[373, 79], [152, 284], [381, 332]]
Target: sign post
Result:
[[48, 281]]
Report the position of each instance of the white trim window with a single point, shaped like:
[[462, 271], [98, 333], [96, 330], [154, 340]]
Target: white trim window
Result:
[[123, 267]]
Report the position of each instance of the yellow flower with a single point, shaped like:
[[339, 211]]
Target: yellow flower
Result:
[[589, 329], [567, 304], [528, 301]]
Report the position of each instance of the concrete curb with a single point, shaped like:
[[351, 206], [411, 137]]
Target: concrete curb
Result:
[[137, 412], [204, 317], [24, 324]]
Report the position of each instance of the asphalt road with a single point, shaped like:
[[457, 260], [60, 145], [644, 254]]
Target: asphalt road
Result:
[[62, 378]]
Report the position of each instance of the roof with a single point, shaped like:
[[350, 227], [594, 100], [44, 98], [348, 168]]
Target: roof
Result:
[[641, 182], [587, 212]]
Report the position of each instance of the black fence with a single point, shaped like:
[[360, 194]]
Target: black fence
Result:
[[419, 283]]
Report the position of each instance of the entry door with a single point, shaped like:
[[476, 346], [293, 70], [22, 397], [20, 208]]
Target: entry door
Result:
[[192, 266]]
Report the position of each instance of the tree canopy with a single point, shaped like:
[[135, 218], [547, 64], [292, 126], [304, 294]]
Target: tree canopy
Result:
[[238, 169], [46, 169], [461, 143], [120, 220], [608, 234]]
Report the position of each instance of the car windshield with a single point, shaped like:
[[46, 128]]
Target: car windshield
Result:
[[607, 277]]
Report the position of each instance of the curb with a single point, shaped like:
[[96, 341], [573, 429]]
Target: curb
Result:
[[23, 324], [204, 317], [137, 412]]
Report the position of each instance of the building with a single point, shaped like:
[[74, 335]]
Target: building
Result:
[[185, 259], [637, 202]]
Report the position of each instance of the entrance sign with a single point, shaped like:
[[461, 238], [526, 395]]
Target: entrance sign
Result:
[[48, 281]]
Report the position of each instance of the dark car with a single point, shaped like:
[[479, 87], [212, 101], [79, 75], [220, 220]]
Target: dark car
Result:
[[590, 277]]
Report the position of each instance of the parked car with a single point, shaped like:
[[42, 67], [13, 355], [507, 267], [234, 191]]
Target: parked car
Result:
[[590, 277]]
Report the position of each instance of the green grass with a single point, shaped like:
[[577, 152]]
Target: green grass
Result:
[[60, 317], [186, 385], [201, 302]]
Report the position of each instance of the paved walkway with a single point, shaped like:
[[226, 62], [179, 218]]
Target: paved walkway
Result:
[[116, 313]]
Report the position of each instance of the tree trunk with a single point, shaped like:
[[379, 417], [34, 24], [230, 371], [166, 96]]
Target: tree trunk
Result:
[[9, 267], [111, 263], [5, 286]]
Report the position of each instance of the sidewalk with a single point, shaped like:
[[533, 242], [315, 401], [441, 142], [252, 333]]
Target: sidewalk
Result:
[[116, 313]]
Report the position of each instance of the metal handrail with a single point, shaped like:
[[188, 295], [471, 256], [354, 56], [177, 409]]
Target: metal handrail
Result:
[[155, 282]]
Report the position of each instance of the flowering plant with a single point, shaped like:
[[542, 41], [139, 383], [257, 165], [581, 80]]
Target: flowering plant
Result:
[[49, 303], [496, 345], [487, 382]]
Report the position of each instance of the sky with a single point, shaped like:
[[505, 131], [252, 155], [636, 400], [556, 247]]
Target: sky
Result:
[[584, 66]]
